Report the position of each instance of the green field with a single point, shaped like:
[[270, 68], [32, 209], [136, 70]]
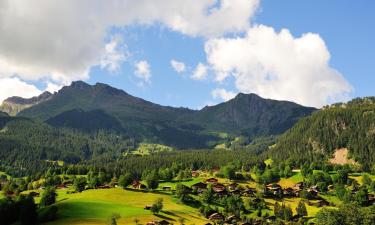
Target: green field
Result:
[[95, 206]]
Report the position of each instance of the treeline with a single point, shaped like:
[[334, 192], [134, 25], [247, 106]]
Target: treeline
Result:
[[28, 146], [315, 138]]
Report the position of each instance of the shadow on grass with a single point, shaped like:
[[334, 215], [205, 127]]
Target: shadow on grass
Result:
[[164, 217]]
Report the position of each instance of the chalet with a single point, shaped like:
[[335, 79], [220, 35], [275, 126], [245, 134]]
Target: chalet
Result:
[[212, 180], [194, 174], [219, 189], [313, 191], [138, 185], [106, 186], [167, 188], [152, 223], [289, 192], [217, 216], [298, 186], [199, 187], [371, 198], [61, 186], [231, 219], [274, 189], [249, 191], [233, 187]]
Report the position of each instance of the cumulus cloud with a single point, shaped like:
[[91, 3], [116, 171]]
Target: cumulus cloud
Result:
[[142, 70], [220, 93], [15, 87], [279, 66], [200, 72], [179, 67], [115, 54], [63, 39]]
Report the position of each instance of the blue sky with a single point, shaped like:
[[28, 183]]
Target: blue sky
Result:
[[345, 28]]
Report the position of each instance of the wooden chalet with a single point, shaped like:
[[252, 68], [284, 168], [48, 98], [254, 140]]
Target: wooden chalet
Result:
[[199, 187], [194, 174], [138, 185], [289, 192], [233, 186], [216, 216], [104, 186], [167, 188], [219, 189], [212, 181]]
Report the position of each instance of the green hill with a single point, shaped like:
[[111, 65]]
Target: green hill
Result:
[[89, 107], [316, 137]]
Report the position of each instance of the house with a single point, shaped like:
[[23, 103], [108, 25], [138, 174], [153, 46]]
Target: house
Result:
[[231, 219], [371, 198], [298, 186], [138, 185], [274, 189], [219, 189], [217, 216], [61, 186], [289, 192], [104, 186], [212, 180], [232, 186], [152, 223], [194, 174], [199, 187], [167, 188]]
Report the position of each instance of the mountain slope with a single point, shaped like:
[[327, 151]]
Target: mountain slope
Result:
[[340, 126], [89, 107], [14, 105], [251, 115]]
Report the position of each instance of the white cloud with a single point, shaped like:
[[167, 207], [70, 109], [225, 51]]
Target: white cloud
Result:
[[142, 70], [200, 72], [15, 87], [220, 93], [279, 66], [179, 67], [115, 54], [62, 40]]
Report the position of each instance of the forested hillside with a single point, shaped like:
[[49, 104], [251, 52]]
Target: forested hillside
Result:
[[350, 125], [90, 107]]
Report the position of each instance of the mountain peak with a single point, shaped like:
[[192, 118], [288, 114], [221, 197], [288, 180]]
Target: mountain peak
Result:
[[80, 84], [13, 105]]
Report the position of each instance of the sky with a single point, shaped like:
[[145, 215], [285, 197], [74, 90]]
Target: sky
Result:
[[191, 53]]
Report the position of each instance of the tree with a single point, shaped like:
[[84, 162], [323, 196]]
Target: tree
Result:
[[288, 213], [152, 180], [207, 195], [80, 184], [125, 180], [361, 197], [28, 211], [229, 171], [301, 209], [48, 197], [112, 220], [277, 210], [182, 192], [328, 216], [288, 171], [157, 206]]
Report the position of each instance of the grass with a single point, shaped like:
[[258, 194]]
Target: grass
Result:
[[291, 181], [173, 185], [95, 206]]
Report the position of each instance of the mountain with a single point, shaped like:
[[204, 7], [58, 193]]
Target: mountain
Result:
[[100, 106], [336, 129], [250, 115], [14, 105]]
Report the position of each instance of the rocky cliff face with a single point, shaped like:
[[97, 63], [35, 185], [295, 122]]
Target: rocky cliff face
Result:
[[14, 105]]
